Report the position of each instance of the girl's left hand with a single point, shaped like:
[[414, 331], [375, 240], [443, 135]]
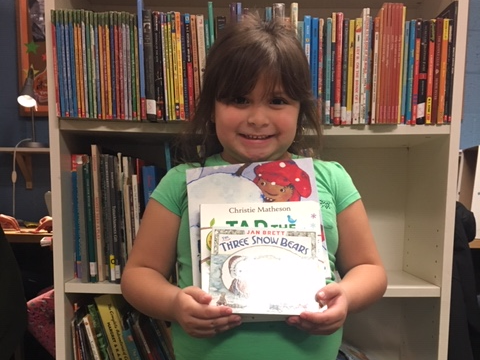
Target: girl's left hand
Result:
[[328, 321]]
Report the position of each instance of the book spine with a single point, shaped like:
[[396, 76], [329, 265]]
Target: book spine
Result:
[[314, 56], [91, 336], [158, 65], [364, 63], [89, 219], [149, 66], [195, 64], [201, 46], [337, 95], [112, 323], [443, 73], [82, 220], [416, 70], [422, 73], [430, 70], [376, 40], [328, 70], [103, 346], [436, 71], [189, 65], [321, 55], [141, 61], [97, 206], [406, 38], [357, 72]]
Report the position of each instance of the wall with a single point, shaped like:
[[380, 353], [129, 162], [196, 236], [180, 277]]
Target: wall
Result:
[[29, 203], [470, 135]]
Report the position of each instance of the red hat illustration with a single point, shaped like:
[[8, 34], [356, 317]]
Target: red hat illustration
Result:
[[285, 173]]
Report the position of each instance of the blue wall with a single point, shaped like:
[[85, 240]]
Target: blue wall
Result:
[[470, 135], [29, 203]]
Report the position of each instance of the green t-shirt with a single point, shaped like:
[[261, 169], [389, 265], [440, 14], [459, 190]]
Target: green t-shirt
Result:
[[268, 340]]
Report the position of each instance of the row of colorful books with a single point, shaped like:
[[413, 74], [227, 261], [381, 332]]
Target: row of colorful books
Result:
[[107, 328], [383, 68], [148, 66], [109, 193]]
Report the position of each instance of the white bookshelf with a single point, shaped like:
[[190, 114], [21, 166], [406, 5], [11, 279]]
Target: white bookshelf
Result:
[[407, 176]]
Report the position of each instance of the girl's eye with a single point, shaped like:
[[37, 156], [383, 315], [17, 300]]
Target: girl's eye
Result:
[[282, 190], [278, 101], [239, 100]]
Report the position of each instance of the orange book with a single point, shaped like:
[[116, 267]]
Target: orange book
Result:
[[430, 69]]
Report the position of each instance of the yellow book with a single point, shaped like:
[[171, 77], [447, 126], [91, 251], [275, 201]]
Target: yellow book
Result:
[[443, 72], [178, 38], [109, 307], [170, 78]]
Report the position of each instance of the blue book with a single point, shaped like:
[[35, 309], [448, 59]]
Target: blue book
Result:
[[150, 179], [411, 61], [70, 62], [239, 11], [307, 35], [268, 13], [406, 41], [314, 56], [328, 69], [61, 66]]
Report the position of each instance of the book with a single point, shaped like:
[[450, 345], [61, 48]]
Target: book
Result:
[[103, 346], [294, 215], [91, 336], [110, 307], [246, 183], [149, 66], [141, 60], [238, 278], [98, 210]]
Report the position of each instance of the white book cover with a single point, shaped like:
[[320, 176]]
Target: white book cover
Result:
[[295, 215], [262, 182], [265, 271]]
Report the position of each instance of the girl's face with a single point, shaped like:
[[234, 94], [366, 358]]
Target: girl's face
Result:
[[258, 126]]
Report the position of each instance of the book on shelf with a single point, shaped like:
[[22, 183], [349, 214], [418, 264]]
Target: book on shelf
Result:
[[103, 345], [238, 279], [110, 308], [246, 183]]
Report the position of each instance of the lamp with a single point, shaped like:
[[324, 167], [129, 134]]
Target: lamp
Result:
[[27, 99]]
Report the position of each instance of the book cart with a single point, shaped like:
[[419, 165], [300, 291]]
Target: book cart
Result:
[[406, 174]]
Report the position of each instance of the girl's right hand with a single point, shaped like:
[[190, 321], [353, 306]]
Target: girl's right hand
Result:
[[200, 319]]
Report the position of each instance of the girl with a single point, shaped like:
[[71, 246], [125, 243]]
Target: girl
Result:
[[255, 104]]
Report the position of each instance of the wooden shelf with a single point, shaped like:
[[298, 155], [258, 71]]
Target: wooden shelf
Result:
[[24, 160], [475, 244]]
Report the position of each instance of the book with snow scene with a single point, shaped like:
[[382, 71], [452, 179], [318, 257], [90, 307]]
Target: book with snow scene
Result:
[[259, 182]]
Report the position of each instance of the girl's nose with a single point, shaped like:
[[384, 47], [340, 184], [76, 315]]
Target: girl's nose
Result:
[[258, 116]]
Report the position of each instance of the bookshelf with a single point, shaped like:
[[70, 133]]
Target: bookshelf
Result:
[[407, 176]]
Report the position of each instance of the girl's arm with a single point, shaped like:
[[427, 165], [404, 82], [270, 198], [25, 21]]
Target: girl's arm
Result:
[[363, 276], [145, 283]]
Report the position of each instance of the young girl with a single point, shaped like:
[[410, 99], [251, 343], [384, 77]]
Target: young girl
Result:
[[256, 103]]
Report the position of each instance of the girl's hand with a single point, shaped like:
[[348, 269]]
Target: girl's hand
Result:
[[198, 318], [328, 321]]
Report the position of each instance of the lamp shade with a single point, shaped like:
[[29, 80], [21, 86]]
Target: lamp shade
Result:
[[27, 96]]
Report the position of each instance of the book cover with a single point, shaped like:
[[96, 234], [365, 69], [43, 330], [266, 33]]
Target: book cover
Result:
[[267, 182], [238, 278], [294, 215]]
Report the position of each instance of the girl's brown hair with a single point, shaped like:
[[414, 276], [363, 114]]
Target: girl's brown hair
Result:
[[243, 53]]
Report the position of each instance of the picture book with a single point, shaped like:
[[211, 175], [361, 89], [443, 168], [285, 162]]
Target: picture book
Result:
[[295, 215], [261, 182], [265, 271]]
